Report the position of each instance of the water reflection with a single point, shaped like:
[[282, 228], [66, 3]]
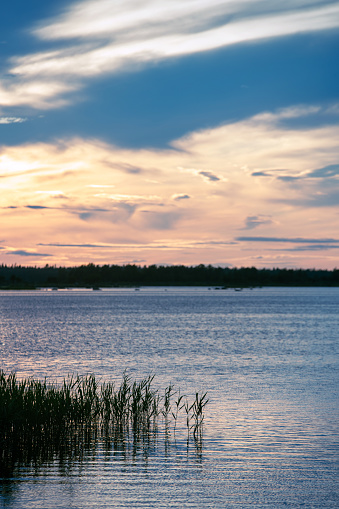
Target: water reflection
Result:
[[66, 451], [268, 359], [62, 431]]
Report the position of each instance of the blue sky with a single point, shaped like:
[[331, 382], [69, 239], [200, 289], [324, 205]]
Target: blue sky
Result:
[[153, 86]]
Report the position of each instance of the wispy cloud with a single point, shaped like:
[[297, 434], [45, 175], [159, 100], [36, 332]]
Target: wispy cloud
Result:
[[252, 222], [105, 37], [23, 252], [52, 194], [314, 247], [135, 198], [290, 240], [149, 245], [299, 244], [121, 213], [215, 243], [313, 188], [125, 167], [12, 120], [95, 246], [36, 207], [326, 172], [161, 220], [209, 176], [179, 197]]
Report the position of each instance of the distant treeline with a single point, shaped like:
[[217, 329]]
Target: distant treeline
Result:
[[17, 276]]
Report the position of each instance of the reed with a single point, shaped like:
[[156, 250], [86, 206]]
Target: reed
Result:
[[41, 421], [197, 409], [80, 399]]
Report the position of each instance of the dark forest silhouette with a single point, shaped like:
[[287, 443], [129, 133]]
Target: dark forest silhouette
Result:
[[91, 275]]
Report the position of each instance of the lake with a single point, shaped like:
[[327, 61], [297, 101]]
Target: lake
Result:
[[267, 357]]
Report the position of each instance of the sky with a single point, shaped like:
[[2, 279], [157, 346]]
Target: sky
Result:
[[170, 132]]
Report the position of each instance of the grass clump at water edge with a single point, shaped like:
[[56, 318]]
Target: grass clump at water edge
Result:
[[39, 419], [32, 402]]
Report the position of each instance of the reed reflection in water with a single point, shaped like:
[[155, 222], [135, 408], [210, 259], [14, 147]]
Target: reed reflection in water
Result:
[[44, 425]]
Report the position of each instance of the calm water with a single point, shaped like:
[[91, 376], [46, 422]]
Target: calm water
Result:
[[267, 357]]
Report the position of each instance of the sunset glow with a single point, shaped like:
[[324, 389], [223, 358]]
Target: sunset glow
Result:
[[113, 151]]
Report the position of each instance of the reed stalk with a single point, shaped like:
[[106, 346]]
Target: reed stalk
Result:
[[39, 417]]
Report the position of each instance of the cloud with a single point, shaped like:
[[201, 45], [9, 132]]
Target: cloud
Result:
[[160, 220], [268, 173], [39, 93], [122, 212], [23, 252], [315, 247], [179, 197], [314, 188], [252, 222], [328, 171], [209, 176], [52, 194], [75, 209], [287, 178], [85, 216], [305, 244], [105, 37], [101, 18], [297, 240], [125, 167], [137, 261], [12, 120], [130, 168], [95, 246], [36, 207], [137, 198], [214, 243], [319, 199], [295, 111], [260, 174], [149, 245]]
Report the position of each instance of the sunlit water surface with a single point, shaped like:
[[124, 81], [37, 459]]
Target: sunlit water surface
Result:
[[267, 357]]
